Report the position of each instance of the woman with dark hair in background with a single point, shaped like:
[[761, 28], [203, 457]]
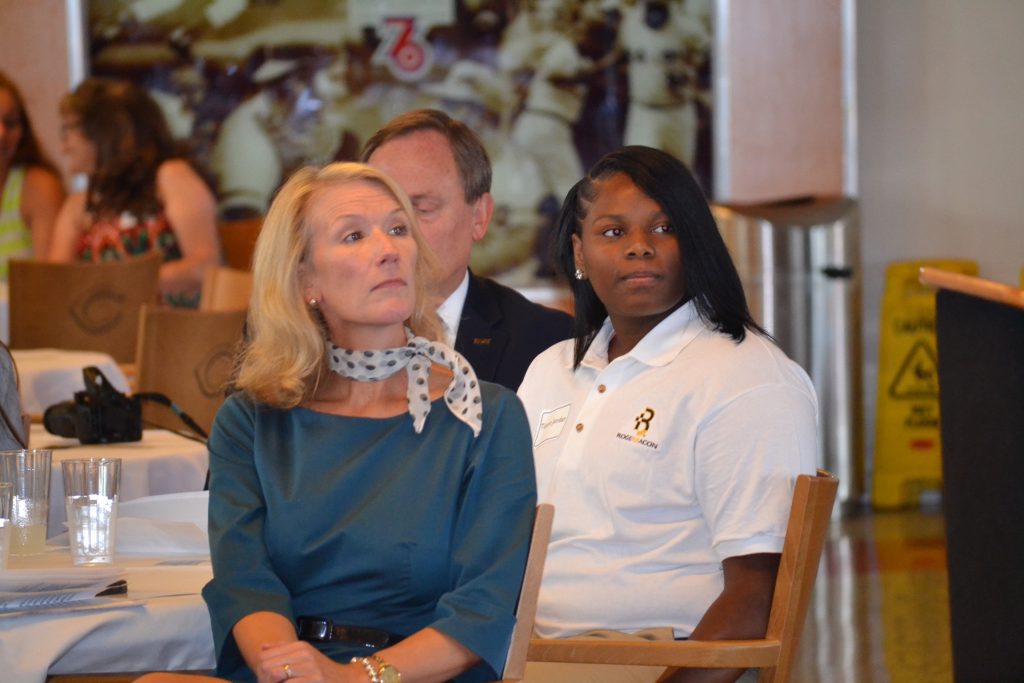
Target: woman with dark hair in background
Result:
[[668, 434], [141, 195], [31, 191]]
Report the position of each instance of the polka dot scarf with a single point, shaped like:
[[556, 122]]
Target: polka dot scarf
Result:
[[462, 395]]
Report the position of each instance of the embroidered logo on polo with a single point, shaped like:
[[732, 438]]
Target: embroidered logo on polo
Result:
[[641, 425], [643, 421]]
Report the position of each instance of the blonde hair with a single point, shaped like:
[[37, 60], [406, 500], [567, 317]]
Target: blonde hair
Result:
[[284, 358]]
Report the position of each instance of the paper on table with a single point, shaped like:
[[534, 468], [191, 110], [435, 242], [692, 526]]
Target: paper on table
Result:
[[188, 506], [170, 524], [160, 537], [22, 589], [165, 579]]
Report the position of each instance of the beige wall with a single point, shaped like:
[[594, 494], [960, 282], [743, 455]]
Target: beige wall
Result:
[[942, 141], [782, 69], [941, 153], [34, 53]]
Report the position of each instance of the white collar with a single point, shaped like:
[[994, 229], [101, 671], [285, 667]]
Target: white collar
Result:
[[658, 347], [450, 311]]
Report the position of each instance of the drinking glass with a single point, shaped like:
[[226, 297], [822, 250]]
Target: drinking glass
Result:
[[29, 473], [6, 492], [90, 496]]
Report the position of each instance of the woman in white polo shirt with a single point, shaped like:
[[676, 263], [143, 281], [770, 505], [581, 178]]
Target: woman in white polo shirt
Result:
[[669, 433]]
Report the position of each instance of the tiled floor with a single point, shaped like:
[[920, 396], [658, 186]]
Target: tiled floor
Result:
[[880, 612]]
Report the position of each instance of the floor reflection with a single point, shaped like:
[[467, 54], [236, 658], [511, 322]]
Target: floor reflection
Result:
[[880, 610]]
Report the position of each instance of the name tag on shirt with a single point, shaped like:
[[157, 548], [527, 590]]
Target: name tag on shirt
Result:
[[551, 423]]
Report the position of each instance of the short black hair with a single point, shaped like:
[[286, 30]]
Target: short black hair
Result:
[[709, 276]]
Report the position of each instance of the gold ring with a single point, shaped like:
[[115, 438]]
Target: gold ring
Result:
[[288, 671]]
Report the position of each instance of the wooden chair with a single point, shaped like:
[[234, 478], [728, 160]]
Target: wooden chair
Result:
[[775, 654], [238, 240], [225, 289], [81, 306], [188, 356], [526, 610]]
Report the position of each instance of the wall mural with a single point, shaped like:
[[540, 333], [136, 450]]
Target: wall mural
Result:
[[259, 88]]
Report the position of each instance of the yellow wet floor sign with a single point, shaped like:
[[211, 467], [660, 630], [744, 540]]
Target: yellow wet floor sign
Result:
[[908, 456]]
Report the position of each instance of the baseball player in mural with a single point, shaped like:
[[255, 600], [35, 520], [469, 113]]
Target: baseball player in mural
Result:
[[542, 42], [666, 46], [294, 118]]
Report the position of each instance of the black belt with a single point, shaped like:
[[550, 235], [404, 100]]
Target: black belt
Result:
[[321, 630]]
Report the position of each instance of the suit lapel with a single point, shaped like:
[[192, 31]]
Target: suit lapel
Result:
[[481, 339]]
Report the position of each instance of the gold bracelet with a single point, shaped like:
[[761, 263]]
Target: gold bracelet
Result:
[[385, 672], [371, 671]]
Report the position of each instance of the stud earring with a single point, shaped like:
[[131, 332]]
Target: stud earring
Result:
[[578, 274], [312, 303]]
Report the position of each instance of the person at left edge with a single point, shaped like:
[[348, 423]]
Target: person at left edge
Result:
[[30, 188], [361, 473]]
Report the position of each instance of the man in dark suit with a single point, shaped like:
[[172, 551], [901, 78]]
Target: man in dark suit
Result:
[[444, 169]]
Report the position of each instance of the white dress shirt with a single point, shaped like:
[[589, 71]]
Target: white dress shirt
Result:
[[450, 311]]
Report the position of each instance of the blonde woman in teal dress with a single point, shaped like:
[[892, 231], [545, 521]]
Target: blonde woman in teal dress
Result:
[[361, 474], [141, 195], [30, 188]]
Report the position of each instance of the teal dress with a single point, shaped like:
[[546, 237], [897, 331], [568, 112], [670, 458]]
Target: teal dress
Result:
[[365, 522]]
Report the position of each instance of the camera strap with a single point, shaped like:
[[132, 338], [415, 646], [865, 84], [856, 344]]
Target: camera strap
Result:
[[157, 397]]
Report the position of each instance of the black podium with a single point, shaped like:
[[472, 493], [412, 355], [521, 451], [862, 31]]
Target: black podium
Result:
[[981, 394]]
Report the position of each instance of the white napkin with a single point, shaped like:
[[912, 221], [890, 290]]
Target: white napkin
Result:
[[170, 524], [50, 376]]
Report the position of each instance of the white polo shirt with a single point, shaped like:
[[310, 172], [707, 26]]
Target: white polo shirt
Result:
[[661, 464]]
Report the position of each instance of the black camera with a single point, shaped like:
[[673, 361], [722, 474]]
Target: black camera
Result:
[[99, 414]]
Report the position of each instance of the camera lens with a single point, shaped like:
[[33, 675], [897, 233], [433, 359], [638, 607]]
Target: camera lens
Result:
[[59, 419]]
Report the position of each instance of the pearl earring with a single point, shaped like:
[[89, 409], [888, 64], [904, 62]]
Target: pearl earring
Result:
[[578, 274], [312, 303]]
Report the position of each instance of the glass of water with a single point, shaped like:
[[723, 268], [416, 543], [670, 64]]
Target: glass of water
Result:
[[29, 473], [6, 494], [90, 497]]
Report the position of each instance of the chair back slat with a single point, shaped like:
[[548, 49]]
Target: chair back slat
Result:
[[189, 357], [809, 518], [526, 611], [225, 289], [81, 306], [238, 240]]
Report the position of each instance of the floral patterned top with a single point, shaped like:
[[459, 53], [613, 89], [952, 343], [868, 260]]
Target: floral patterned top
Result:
[[112, 239]]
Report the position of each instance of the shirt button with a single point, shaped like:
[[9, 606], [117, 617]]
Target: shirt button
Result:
[[579, 426], [601, 388]]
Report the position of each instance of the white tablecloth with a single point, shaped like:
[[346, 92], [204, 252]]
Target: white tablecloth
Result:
[[49, 376], [162, 462], [163, 625]]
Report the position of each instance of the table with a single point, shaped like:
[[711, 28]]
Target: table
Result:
[[49, 376], [163, 462], [162, 625]]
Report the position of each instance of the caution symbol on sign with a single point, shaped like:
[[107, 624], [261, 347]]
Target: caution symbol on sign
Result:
[[918, 376]]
